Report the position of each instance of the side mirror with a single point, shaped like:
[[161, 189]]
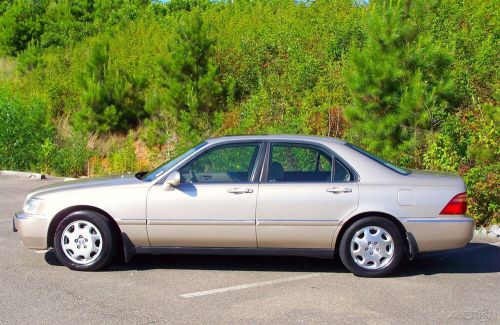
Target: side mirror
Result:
[[172, 180]]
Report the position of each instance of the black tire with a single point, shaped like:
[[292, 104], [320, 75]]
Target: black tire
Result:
[[390, 266], [109, 241]]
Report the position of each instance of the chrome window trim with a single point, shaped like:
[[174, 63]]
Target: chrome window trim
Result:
[[260, 175]]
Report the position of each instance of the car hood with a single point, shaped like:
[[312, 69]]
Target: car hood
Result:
[[86, 183]]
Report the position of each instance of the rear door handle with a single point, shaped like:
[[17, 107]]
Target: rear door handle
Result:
[[339, 190], [238, 190]]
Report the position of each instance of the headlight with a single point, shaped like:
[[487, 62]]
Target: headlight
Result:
[[34, 206]]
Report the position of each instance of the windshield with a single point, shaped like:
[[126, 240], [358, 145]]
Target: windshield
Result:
[[166, 166], [379, 160]]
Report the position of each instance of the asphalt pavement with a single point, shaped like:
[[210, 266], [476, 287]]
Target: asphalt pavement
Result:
[[458, 286]]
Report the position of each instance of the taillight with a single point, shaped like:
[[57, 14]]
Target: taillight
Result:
[[457, 205]]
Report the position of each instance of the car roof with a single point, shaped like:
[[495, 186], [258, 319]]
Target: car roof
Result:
[[271, 137]]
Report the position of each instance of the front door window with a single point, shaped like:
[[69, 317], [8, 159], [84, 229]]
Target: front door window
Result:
[[224, 164]]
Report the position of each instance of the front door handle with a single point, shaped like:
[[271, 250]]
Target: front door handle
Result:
[[238, 190], [339, 190]]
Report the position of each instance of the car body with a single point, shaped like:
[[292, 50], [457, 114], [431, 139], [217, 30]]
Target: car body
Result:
[[269, 194]]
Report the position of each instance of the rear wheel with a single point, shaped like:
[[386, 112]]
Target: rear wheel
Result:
[[85, 241], [371, 247]]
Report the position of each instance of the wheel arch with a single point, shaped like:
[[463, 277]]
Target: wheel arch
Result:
[[353, 219], [63, 213]]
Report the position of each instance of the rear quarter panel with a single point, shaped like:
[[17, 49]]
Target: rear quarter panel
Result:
[[416, 200]]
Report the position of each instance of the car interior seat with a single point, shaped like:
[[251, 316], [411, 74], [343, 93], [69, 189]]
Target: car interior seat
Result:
[[276, 173]]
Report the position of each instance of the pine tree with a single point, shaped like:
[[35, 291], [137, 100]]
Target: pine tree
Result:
[[190, 74], [112, 99], [21, 23], [400, 82]]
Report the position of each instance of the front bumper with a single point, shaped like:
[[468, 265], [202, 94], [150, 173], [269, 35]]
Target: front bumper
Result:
[[32, 230], [440, 233]]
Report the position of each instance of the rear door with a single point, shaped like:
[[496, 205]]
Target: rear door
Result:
[[304, 194]]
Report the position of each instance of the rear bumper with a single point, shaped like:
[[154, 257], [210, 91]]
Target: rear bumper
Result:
[[440, 233], [32, 230]]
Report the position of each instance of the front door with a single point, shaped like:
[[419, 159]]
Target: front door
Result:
[[306, 193], [214, 206]]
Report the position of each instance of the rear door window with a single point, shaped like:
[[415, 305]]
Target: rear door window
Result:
[[298, 163]]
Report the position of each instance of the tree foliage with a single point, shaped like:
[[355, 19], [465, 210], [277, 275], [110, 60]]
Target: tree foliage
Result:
[[24, 129], [401, 83], [189, 75], [22, 22], [111, 98], [130, 83]]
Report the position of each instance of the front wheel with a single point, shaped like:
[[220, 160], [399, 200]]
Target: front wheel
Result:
[[371, 247], [84, 241]]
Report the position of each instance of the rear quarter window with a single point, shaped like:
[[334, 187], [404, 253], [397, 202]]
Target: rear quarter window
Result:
[[381, 161]]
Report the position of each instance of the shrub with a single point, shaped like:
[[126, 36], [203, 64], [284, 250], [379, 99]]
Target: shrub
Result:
[[71, 155], [24, 130], [484, 194], [447, 149], [123, 160], [468, 144], [29, 59], [119, 158]]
